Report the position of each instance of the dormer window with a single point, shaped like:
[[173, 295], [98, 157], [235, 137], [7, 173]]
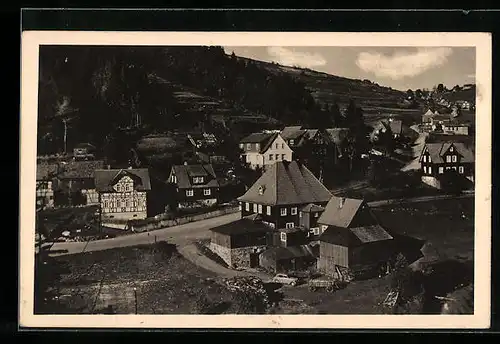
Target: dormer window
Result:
[[292, 142], [197, 180]]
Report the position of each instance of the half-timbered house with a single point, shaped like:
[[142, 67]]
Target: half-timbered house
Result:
[[438, 158], [123, 193]]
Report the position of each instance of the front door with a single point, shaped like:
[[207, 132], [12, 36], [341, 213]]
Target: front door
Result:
[[254, 260]]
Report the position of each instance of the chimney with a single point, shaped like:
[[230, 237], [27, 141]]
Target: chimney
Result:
[[341, 202]]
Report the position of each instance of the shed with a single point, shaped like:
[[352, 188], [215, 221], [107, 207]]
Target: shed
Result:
[[284, 259]]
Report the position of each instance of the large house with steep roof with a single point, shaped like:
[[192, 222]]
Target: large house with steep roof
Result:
[[263, 149], [438, 158], [123, 193], [280, 194], [195, 185], [353, 242]]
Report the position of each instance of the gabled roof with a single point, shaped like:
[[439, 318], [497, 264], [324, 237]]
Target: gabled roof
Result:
[[429, 113], [46, 171], [80, 169], [264, 139], [436, 151], [292, 132], [334, 215], [351, 237], [85, 145], [184, 173], [337, 135], [283, 253], [244, 225], [312, 208], [105, 179], [286, 182]]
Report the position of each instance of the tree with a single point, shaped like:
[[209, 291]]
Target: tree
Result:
[[336, 115], [418, 93], [410, 94], [440, 88]]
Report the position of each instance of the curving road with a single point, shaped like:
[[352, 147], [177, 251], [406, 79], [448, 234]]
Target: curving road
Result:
[[177, 235]]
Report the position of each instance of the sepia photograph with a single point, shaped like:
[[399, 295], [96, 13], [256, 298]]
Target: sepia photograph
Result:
[[229, 180]]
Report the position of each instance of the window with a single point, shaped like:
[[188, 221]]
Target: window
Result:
[[277, 156], [448, 158], [255, 208], [451, 149], [290, 225], [454, 158], [207, 192], [300, 214], [270, 157], [283, 236], [257, 146], [454, 168], [316, 231], [282, 146], [277, 145], [260, 208], [425, 158], [249, 146], [460, 169], [429, 158], [282, 156], [430, 170], [189, 193], [425, 169], [293, 211], [283, 211], [268, 210], [323, 228], [247, 206], [316, 214], [242, 145], [447, 168], [441, 170], [198, 180], [291, 142]]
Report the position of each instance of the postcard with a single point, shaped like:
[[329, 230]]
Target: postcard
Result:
[[271, 180]]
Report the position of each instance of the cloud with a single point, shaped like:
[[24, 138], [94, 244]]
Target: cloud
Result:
[[288, 57], [403, 64]]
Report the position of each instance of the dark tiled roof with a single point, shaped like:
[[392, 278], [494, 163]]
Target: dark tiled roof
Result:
[[264, 139], [80, 169], [337, 135], [350, 237], [292, 132], [85, 145], [287, 182], [184, 173], [436, 151], [283, 253], [243, 226], [105, 179], [335, 215], [256, 138], [46, 171]]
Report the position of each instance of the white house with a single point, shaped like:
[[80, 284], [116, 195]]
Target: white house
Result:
[[261, 149]]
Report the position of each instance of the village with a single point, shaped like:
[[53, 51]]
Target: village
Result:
[[367, 217]]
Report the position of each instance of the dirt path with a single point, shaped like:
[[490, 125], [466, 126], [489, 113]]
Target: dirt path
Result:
[[191, 253]]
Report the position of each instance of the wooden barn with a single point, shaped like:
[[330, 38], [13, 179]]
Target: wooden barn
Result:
[[354, 244]]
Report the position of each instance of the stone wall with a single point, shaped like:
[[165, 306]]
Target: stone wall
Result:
[[221, 251], [125, 216], [240, 257]]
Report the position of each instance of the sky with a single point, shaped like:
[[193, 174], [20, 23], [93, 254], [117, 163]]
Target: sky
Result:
[[401, 68]]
